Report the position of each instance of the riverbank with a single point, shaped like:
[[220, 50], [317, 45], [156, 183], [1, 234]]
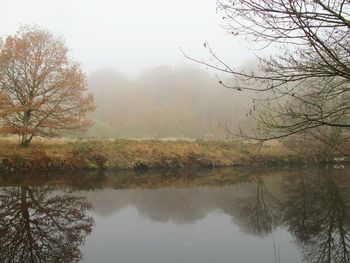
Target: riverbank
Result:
[[143, 154], [160, 178]]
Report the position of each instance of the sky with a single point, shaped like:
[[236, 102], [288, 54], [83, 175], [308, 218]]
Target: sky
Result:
[[129, 35]]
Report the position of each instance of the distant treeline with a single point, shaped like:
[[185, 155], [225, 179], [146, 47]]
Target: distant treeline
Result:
[[163, 102]]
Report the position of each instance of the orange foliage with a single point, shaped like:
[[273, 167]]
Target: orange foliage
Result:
[[42, 92]]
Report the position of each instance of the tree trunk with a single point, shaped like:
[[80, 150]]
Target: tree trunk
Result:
[[25, 141], [26, 138], [26, 217]]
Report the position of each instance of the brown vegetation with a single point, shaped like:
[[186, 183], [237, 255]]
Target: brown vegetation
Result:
[[141, 155]]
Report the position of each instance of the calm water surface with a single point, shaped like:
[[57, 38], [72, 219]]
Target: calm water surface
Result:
[[265, 216]]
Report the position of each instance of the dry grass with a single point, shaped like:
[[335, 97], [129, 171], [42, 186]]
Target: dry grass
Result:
[[141, 154]]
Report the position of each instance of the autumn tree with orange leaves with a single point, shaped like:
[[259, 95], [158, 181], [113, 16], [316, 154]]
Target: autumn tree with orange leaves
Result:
[[43, 93]]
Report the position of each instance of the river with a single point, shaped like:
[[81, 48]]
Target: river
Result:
[[285, 215]]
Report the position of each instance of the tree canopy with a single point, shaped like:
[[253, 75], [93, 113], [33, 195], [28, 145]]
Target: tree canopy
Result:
[[42, 91]]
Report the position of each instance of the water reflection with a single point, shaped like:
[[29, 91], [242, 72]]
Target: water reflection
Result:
[[258, 215], [313, 206], [316, 212], [37, 225]]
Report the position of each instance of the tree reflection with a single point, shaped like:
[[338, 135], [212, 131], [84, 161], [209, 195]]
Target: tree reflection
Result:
[[315, 208], [181, 206], [258, 210], [37, 225], [317, 214]]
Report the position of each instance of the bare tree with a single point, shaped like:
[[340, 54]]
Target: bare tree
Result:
[[43, 92], [307, 81]]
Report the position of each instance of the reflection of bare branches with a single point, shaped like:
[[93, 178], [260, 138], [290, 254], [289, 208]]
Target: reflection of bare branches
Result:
[[36, 226], [317, 213], [258, 210]]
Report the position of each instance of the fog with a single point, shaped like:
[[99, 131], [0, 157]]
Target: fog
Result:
[[165, 101], [122, 45], [128, 35]]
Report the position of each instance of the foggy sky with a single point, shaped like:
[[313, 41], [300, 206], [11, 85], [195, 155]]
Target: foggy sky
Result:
[[128, 35]]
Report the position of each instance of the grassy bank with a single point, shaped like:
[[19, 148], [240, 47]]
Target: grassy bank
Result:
[[141, 155]]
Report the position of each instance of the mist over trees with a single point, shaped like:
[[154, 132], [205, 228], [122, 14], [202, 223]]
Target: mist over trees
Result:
[[176, 102]]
